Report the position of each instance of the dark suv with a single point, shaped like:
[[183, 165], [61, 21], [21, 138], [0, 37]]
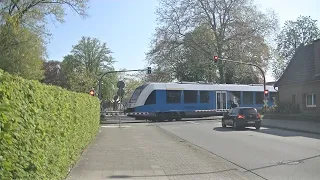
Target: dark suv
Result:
[[241, 117]]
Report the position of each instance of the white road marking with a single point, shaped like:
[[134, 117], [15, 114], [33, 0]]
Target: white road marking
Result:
[[192, 122], [116, 126]]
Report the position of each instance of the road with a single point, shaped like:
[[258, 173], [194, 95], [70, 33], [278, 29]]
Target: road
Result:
[[267, 153], [126, 119]]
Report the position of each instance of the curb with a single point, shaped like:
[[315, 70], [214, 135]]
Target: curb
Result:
[[290, 129]]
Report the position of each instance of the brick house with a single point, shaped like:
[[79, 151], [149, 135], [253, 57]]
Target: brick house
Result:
[[300, 82]]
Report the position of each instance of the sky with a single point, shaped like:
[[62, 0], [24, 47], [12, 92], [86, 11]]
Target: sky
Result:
[[127, 26]]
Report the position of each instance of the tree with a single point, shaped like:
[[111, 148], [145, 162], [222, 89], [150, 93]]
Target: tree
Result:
[[33, 13], [82, 68], [278, 66], [302, 31], [196, 30], [23, 33], [52, 73], [21, 51], [92, 55]]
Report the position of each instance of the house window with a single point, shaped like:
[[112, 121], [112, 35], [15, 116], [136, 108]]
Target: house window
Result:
[[173, 97], [190, 96], [204, 97], [311, 100]]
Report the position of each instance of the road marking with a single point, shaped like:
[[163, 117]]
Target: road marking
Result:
[[116, 126], [192, 122]]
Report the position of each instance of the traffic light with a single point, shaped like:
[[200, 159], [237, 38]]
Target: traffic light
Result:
[[215, 59], [266, 92], [149, 70], [91, 92]]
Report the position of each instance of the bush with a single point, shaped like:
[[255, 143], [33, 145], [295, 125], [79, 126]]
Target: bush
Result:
[[43, 128], [284, 108]]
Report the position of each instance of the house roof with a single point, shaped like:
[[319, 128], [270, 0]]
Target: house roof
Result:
[[301, 67]]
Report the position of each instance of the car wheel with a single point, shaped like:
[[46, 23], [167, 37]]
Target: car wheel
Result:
[[258, 125], [223, 124], [235, 126]]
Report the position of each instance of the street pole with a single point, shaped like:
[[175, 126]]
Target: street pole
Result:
[[262, 72]]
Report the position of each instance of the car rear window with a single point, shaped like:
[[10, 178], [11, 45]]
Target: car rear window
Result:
[[248, 111]]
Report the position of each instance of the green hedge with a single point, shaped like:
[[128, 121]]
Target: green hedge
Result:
[[44, 128]]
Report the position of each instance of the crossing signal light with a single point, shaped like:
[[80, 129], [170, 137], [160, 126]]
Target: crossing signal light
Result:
[[149, 70], [91, 92], [266, 92], [215, 59]]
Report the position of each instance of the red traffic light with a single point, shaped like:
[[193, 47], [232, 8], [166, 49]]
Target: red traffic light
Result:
[[91, 92], [215, 59], [266, 92]]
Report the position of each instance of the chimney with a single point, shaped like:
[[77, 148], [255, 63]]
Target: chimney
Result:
[[317, 57]]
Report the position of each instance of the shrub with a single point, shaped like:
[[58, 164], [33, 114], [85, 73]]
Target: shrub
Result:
[[43, 128], [284, 108]]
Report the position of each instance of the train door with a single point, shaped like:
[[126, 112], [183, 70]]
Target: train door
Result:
[[221, 100]]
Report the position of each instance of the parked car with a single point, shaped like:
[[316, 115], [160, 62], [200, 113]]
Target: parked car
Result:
[[241, 117]]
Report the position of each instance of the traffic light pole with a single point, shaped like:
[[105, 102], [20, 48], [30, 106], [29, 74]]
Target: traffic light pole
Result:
[[250, 64], [110, 72]]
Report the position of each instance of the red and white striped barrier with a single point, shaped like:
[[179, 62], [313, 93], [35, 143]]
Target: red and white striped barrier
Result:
[[213, 110]]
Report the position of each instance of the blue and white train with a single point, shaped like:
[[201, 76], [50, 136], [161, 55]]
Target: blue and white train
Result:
[[168, 101]]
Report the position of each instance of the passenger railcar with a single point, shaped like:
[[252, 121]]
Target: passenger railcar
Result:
[[168, 101]]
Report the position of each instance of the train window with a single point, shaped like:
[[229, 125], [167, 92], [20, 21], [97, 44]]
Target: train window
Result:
[[136, 93], [248, 97], [259, 97], [190, 96], [173, 97], [151, 98], [204, 97]]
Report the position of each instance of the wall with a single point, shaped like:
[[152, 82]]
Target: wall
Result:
[[286, 92]]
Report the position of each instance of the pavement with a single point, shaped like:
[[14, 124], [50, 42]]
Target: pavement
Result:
[[145, 151], [270, 153], [201, 149], [301, 126]]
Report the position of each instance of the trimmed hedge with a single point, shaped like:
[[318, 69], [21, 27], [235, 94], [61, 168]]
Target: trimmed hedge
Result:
[[44, 129]]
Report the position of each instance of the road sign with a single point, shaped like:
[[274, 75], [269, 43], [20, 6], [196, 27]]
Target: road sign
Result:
[[120, 84], [120, 92]]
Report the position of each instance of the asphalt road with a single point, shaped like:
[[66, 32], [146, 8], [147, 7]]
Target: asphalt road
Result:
[[267, 153], [126, 119]]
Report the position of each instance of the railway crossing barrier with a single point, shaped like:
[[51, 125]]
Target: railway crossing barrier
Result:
[[116, 113], [213, 110]]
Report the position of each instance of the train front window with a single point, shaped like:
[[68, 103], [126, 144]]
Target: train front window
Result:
[[136, 94], [152, 98]]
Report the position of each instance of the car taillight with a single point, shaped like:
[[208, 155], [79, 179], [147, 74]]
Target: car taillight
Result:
[[240, 116], [258, 116]]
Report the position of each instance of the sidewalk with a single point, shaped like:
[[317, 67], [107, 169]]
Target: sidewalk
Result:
[[144, 151], [302, 126]]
